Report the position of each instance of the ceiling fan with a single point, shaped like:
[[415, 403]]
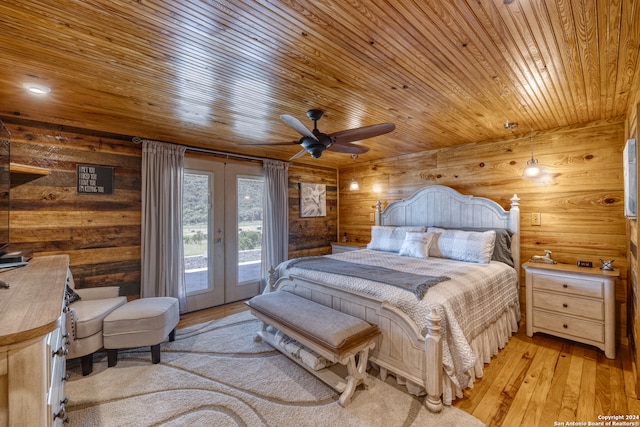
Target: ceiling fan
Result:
[[315, 142]]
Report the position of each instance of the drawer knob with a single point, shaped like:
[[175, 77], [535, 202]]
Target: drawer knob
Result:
[[565, 326], [565, 305], [62, 351], [60, 414], [564, 285]]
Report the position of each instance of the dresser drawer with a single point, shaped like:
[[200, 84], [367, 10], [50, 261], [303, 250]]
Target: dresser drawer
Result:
[[569, 326], [568, 304], [569, 285]]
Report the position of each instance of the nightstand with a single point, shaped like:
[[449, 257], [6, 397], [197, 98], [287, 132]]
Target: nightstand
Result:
[[339, 247], [572, 302]]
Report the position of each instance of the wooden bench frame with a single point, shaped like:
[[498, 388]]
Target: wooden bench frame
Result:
[[357, 345]]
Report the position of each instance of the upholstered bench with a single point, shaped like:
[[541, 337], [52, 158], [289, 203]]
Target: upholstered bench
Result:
[[138, 323], [332, 334]]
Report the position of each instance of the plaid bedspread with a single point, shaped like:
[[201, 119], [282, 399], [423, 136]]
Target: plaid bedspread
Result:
[[475, 296]]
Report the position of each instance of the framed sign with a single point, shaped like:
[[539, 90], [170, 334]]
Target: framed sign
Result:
[[94, 179]]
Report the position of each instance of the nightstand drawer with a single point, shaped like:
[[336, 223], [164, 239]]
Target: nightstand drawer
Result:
[[569, 285], [567, 304], [569, 326]]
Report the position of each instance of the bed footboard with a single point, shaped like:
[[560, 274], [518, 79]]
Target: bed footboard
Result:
[[402, 350]]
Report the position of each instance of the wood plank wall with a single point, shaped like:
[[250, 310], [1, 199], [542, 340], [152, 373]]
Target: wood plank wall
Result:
[[580, 202], [101, 234], [312, 236]]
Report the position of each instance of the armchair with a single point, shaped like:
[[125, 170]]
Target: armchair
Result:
[[84, 321]]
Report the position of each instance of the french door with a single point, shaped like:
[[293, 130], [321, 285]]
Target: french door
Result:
[[222, 231]]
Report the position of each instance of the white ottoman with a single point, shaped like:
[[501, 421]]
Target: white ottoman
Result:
[[141, 322]]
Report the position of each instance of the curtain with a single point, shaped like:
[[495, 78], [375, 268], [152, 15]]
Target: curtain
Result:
[[162, 251], [275, 222]]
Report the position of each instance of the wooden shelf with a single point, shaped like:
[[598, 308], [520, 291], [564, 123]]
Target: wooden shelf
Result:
[[21, 174]]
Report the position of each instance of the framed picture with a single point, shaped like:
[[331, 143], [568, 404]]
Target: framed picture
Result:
[[313, 200], [630, 179]]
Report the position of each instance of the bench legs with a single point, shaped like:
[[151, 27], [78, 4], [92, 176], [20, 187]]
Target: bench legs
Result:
[[356, 375], [356, 370]]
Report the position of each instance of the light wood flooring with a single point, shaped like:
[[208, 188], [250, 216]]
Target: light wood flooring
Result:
[[540, 381]]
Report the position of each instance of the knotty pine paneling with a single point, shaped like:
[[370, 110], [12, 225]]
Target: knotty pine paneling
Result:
[[580, 201]]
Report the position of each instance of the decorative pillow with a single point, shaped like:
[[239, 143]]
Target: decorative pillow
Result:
[[390, 238], [471, 246], [71, 295], [416, 244]]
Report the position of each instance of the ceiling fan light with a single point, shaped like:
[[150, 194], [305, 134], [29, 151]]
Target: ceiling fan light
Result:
[[354, 186]]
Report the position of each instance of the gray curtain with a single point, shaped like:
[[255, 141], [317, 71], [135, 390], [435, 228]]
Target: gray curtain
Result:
[[275, 223], [162, 251]]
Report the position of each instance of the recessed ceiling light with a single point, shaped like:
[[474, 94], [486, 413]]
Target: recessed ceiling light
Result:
[[36, 88]]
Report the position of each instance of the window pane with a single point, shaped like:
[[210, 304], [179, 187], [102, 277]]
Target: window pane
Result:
[[195, 230], [249, 227]]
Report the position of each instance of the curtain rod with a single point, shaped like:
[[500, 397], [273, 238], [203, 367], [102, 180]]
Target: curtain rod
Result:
[[138, 140]]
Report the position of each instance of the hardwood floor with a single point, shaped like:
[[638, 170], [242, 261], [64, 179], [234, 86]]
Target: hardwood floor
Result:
[[540, 381]]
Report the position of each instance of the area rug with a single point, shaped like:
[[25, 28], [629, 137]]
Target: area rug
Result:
[[215, 374]]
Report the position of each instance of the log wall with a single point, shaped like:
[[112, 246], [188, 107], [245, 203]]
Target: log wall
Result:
[[580, 201]]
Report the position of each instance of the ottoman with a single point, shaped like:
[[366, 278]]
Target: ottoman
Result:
[[141, 322]]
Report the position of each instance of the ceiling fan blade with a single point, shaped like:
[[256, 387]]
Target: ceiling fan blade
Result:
[[348, 148], [359, 134], [299, 154], [274, 143], [297, 125]]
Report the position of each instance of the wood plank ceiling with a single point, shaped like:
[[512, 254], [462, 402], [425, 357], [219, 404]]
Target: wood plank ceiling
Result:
[[218, 74]]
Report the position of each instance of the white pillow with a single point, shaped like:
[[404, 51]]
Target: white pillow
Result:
[[471, 246], [416, 244], [390, 238]]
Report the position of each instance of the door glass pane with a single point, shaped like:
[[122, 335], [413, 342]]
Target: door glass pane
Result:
[[249, 227], [195, 230]]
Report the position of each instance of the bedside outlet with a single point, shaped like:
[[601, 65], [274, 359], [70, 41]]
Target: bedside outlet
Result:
[[535, 218]]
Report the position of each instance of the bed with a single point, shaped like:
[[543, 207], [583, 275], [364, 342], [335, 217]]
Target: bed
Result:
[[441, 318]]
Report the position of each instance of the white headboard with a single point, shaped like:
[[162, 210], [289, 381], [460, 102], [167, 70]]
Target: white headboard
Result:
[[437, 205]]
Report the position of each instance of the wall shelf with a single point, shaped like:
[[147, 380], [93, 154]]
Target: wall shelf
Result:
[[21, 174]]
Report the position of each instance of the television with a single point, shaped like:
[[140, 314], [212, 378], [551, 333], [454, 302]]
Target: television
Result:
[[5, 187]]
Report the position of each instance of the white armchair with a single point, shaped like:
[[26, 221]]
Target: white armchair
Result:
[[84, 321]]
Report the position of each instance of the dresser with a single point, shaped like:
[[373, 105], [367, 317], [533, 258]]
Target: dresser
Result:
[[572, 302], [32, 343], [339, 247]]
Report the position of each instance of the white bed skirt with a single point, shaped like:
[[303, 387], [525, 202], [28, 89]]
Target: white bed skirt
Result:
[[484, 347]]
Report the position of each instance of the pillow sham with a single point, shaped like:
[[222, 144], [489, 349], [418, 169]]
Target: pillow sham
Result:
[[390, 238], [416, 244], [470, 246], [502, 247]]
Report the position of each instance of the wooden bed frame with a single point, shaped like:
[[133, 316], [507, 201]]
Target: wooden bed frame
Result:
[[402, 349]]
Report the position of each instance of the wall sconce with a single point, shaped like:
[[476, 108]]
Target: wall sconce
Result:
[[532, 169]]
